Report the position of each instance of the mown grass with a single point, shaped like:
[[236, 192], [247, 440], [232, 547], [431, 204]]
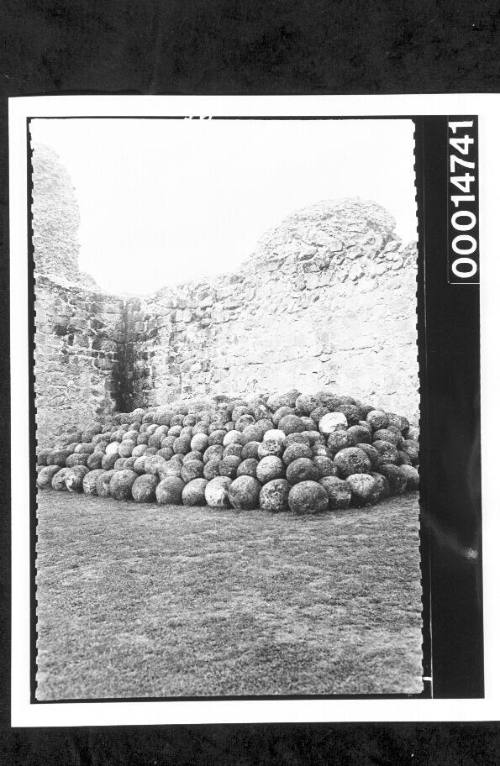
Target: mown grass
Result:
[[142, 600]]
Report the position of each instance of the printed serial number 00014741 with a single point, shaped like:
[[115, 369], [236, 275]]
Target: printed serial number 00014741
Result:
[[463, 220]]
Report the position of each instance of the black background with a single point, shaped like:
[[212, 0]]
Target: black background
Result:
[[228, 47]]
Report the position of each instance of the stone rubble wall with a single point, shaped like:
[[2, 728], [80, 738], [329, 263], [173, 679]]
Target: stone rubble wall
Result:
[[79, 341], [327, 300]]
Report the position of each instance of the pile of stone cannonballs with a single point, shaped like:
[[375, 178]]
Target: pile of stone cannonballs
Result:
[[284, 452]]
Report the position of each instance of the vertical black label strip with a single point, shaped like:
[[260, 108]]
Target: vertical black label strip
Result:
[[450, 430]]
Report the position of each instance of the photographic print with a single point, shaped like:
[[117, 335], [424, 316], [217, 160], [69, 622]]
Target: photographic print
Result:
[[227, 408], [253, 445]]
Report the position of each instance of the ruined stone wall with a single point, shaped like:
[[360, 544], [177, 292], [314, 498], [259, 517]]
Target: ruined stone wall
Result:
[[327, 300], [79, 343]]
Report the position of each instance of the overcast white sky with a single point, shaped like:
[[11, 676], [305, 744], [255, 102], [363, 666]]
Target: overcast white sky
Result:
[[166, 201]]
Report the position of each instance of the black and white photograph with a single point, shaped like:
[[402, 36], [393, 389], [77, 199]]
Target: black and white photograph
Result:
[[227, 408], [253, 462]]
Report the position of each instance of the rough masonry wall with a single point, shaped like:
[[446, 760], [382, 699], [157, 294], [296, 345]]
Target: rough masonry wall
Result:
[[327, 300], [79, 341]]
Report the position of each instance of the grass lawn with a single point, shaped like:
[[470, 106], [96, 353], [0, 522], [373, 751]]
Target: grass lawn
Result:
[[143, 600]]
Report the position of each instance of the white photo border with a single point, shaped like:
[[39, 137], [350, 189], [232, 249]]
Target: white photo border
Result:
[[26, 713]]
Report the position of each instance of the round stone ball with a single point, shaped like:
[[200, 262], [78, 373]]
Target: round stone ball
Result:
[[403, 458], [172, 468], [413, 433], [280, 413], [214, 452], [140, 464], [305, 404], [351, 460], [89, 483], [314, 437], [411, 475], [168, 441], [164, 417], [387, 451], [250, 449], [244, 493], [59, 456], [275, 401], [324, 465], [266, 424], [340, 440], [144, 488], [307, 497], [42, 456], [396, 478], [270, 447], [233, 449], [189, 420], [169, 491], [217, 492], [194, 492], [365, 409], [155, 440], [126, 447], [338, 491], [360, 434], [142, 439], [228, 466], [252, 433], [216, 437], [333, 421], [120, 463], [297, 438], [309, 423], [248, 467], [193, 455], [199, 442], [275, 434], [383, 488], [388, 435], [372, 453], [318, 413], [412, 449], [241, 411], [129, 462], [175, 431], [365, 489], [232, 437], [182, 445], [377, 419], [139, 450], [273, 496], [200, 428], [166, 453], [120, 486], [45, 476], [211, 469], [102, 483], [302, 469], [320, 449], [154, 464], [179, 459], [291, 424], [243, 421], [352, 413], [269, 468], [76, 459], [192, 469], [58, 479], [74, 478], [400, 422], [151, 451], [296, 450]]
